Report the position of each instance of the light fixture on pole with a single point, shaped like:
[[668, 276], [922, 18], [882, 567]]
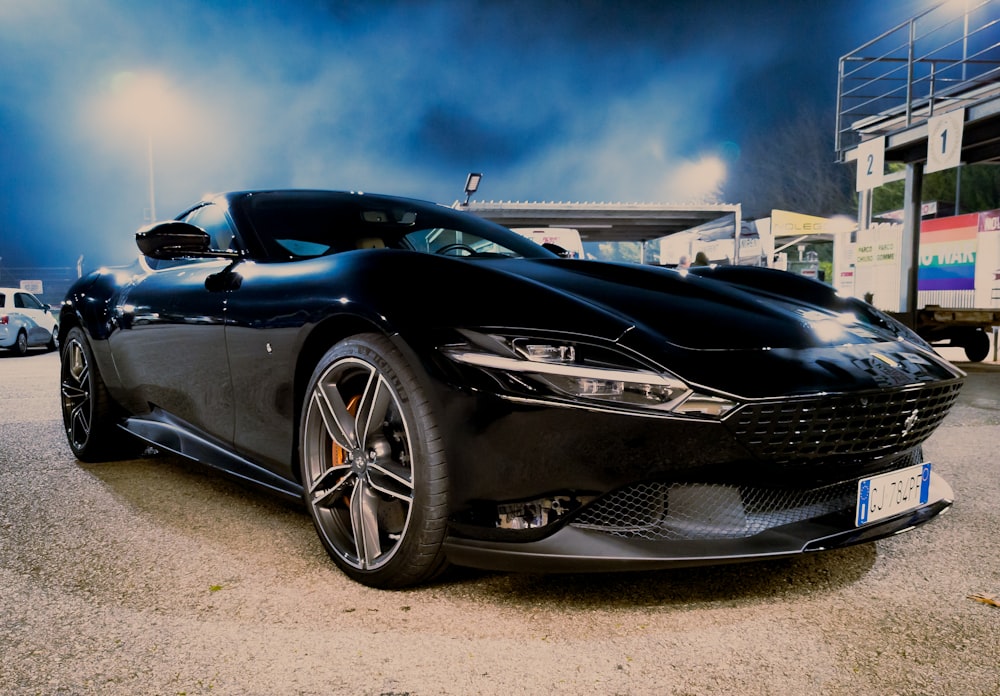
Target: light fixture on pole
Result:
[[145, 103], [471, 185]]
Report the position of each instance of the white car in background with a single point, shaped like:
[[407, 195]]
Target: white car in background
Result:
[[565, 237], [25, 322]]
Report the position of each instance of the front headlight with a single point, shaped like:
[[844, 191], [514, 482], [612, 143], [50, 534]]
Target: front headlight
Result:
[[574, 373]]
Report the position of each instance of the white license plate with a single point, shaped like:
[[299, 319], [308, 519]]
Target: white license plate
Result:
[[892, 493]]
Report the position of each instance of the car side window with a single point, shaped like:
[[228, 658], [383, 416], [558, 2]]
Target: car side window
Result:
[[440, 240], [212, 219], [25, 301]]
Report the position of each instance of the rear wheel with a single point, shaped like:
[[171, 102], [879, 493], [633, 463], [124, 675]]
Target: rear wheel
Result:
[[372, 465], [21, 344], [977, 346], [90, 416]]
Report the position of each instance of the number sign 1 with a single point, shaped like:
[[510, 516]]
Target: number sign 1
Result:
[[871, 164], [944, 141]]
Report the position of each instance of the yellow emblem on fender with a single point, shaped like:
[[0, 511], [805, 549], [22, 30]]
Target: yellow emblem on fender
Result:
[[886, 359]]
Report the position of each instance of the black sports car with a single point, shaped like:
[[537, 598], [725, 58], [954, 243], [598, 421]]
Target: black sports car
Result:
[[438, 389]]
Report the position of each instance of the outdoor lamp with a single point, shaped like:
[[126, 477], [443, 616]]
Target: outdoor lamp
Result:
[[471, 184]]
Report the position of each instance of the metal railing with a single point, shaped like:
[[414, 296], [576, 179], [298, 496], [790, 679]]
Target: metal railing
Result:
[[949, 54]]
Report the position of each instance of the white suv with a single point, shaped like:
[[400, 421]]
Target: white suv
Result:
[[25, 322]]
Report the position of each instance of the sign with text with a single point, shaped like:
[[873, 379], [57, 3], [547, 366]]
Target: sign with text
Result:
[[871, 164], [785, 223], [877, 265], [32, 286], [948, 253], [988, 260], [944, 141]]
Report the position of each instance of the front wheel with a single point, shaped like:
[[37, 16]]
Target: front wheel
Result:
[[90, 416], [373, 466]]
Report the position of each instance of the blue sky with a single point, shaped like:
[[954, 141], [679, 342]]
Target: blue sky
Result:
[[589, 100]]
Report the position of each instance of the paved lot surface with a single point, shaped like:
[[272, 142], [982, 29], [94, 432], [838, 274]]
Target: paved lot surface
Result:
[[153, 576]]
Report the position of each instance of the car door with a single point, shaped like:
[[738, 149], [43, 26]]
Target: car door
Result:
[[170, 346], [264, 328], [35, 318]]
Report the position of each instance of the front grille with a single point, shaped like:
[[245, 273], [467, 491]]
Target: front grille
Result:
[[839, 425], [659, 511]]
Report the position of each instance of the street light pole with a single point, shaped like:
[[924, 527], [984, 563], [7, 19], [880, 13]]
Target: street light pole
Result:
[[152, 186]]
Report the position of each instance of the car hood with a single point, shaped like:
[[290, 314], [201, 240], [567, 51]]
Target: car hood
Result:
[[746, 309], [688, 310], [750, 332], [756, 332]]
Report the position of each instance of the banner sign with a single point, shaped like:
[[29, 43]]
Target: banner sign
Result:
[[785, 223], [877, 264], [988, 260], [948, 253], [989, 221]]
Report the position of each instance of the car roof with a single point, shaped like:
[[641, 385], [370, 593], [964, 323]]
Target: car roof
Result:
[[333, 193]]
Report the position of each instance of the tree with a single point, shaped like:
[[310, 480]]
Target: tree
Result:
[[977, 186], [792, 167]]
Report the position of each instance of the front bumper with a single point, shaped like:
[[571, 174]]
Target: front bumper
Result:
[[585, 549]]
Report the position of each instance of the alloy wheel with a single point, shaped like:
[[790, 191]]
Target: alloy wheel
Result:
[[357, 463], [76, 390]]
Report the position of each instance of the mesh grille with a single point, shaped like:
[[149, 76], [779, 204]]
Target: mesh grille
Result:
[[660, 511], [838, 425]]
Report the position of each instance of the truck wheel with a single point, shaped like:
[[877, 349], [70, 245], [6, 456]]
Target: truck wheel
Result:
[[977, 346]]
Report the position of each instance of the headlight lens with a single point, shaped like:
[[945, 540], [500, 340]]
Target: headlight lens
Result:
[[578, 374], [547, 352], [614, 387]]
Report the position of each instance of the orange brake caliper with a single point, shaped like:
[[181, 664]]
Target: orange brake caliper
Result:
[[340, 455]]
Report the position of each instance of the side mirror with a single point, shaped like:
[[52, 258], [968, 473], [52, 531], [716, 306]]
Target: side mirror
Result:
[[172, 240]]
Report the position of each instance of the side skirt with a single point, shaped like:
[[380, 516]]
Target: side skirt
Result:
[[164, 432]]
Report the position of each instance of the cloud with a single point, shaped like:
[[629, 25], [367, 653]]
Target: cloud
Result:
[[553, 100]]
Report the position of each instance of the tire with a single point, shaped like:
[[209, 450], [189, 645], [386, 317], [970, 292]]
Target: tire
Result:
[[373, 466], [977, 346], [90, 416], [21, 344], [53, 343]]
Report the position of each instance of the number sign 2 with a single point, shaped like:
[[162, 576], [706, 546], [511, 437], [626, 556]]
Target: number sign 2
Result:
[[871, 164]]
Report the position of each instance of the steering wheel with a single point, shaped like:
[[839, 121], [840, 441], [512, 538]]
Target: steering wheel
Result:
[[457, 247]]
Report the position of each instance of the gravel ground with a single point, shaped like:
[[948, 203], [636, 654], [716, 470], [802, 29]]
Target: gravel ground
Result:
[[153, 576]]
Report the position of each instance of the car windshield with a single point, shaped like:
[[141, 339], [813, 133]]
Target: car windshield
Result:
[[293, 225]]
